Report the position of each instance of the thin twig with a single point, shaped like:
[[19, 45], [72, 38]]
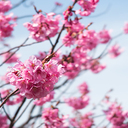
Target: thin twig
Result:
[[12, 122], [5, 110], [57, 39], [61, 84], [23, 111], [8, 97], [18, 4], [4, 85], [14, 52]]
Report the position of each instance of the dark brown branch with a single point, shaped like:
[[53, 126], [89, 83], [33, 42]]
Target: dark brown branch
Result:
[[57, 39], [8, 97], [12, 122], [50, 41], [31, 111], [29, 119], [5, 110], [23, 111]]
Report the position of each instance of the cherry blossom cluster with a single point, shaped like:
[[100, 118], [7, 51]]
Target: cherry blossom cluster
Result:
[[117, 116], [67, 13], [17, 99], [104, 36], [34, 79], [43, 100], [83, 88], [88, 6], [5, 6], [73, 27], [5, 27], [41, 55], [42, 28], [115, 51], [80, 102], [96, 67], [3, 121], [82, 121], [79, 60], [52, 119]]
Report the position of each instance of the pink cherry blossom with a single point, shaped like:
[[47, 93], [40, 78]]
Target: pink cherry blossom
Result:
[[67, 13], [34, 79], [3, 121], [58, 4], [116, 116], [42, 28], [115, 51], [5, 6], [45, 99], [5, 27], [83, 121], [96, 67], [78, 103], [41, 55], [104, 36], [88, 39], [73, 30], [83, 88], [52, 119], [88, 6], [75, 61], [126, 28]]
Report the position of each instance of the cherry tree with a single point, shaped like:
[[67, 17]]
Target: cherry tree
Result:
[[36, 87]]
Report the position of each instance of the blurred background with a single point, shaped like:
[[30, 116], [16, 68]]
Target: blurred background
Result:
[[111, 14]]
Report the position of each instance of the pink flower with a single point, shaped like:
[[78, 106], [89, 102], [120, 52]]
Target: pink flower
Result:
[[126, 28], [41, 55], [3, 121], [83, 88], [78, 103], [73, 30], [83, 121], [88, 6], [34, 79], [104, 36], [5, 6], [43, 27], [5, 27], [115, 51], [116, 116], [88, 39], [75, 61], [67, 13], [45, 99], [96, 67], [52, 119], [58, 4]]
